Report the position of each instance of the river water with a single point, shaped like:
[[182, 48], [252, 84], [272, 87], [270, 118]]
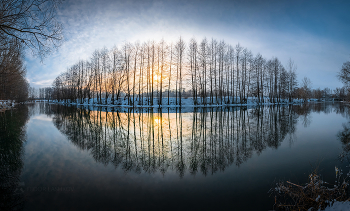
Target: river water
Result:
[[55, 157]]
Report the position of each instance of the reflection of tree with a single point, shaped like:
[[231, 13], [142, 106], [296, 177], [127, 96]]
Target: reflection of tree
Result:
[[304, 110], [207, 140], [12, 134], [344, 137]]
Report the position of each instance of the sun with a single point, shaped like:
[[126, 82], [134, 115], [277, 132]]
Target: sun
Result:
[[155, 77], [156, 120]]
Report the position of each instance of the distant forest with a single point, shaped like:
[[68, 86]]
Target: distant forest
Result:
[[209, 71]]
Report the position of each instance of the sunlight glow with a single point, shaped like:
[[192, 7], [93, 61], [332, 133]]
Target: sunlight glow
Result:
[[155, 77], [156, 120]]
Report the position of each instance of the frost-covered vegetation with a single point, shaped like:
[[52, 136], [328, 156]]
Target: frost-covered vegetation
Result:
[[314, 195]]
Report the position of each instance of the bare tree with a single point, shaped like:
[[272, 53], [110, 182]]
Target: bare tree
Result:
[[180, 52], [12, 73], [214, 70], [192, 53], [33, 23], [344, 74], [292, 78], [203, 58], [305, 88]]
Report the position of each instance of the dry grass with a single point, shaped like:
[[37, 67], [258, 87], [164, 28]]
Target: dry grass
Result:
[[3, 109], [314, 195]]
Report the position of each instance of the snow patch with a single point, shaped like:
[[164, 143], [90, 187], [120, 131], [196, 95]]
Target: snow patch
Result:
[[339, 206]]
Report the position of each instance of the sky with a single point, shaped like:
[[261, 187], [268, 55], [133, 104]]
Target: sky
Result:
[[314, 34]]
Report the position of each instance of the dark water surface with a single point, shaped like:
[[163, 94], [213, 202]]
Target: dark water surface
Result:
[[54, 157]]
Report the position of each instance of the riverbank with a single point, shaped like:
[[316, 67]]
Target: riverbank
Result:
[[184, 151], [316, 194], [6, 105], [173, 102]]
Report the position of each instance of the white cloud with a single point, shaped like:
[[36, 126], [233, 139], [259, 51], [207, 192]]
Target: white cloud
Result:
[[90, 25]]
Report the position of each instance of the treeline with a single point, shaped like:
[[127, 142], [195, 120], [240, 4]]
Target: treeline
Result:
[[342, 94], [209, 71], [13, 84]]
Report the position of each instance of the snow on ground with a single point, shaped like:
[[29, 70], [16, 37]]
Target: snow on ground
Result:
[[173, 102], [339, 206], [6, 104]]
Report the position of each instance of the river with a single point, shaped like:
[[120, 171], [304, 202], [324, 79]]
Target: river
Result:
[[55, 157]]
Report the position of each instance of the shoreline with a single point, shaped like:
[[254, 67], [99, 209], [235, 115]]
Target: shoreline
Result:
[[6, 105], [173, 108], [186, 103]]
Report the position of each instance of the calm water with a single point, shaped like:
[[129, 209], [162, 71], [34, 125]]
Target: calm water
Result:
[[65, 158]]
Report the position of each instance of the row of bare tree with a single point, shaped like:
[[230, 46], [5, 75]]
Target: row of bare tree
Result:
[[156, 73]]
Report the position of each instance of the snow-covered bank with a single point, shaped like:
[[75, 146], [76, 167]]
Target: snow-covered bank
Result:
[[338, 206], [173, 102], [6, 105]]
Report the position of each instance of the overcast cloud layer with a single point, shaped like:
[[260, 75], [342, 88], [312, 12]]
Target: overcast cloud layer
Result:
[[315, 34]]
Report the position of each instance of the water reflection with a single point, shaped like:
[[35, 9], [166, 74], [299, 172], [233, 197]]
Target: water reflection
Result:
[[344, 134], [199, 142], [204, 141], [12, 136]]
